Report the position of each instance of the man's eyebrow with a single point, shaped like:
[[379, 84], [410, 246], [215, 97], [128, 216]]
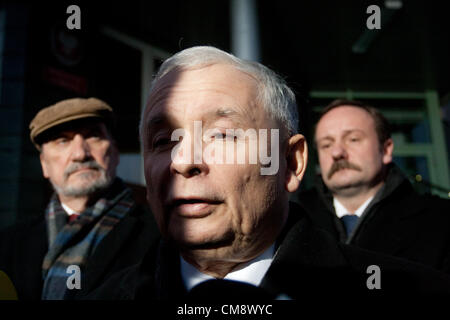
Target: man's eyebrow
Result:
[[324, 138], [154, 123], [346, 133], [350, 131], [155, 120], [226, 113]]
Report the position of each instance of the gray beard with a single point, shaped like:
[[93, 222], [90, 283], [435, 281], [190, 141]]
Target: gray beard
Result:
[[102, 183]]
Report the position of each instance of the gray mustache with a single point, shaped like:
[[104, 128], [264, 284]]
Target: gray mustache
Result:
[[342, 164], [91, 164]]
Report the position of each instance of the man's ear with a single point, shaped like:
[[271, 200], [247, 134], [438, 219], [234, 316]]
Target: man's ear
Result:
[[388, 149], [297, 157], [43, 165]]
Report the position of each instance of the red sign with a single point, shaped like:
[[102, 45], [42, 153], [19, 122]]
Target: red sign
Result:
[[66, 80]]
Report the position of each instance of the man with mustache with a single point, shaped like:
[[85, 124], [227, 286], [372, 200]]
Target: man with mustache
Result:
[[364, 199], [92, 225], [228, 230]]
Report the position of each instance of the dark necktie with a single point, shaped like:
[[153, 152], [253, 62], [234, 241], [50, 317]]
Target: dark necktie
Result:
[[349, 221]]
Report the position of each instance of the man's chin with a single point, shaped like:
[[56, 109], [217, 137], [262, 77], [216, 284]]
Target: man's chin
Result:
[[83, 188], [83, 185], [202, 243], [344, 188]]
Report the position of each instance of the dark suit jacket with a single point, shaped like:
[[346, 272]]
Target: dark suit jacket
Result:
[[23, 247], [308, 262], [398, 222]]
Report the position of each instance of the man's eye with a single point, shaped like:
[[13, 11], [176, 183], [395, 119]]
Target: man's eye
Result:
[[62, 141], [160, 142], [94, 138], [219, 136], [354, 139], [324, 146], [224, 136]]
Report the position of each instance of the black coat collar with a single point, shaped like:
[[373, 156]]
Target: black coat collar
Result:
[[299, 244]]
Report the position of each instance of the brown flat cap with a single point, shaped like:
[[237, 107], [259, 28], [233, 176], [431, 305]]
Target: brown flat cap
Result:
[[68, 110]]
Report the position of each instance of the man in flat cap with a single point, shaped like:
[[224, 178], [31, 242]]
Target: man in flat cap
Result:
[[92, 225]]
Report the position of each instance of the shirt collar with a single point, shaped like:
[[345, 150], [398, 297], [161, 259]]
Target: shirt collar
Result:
[[251, 272], [341, 211], [69, 210]]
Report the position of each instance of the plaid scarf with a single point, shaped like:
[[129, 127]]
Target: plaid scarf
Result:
[[73, 243]]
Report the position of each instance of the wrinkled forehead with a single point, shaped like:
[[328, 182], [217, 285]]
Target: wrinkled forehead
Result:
[[343, 119], [205, 81]]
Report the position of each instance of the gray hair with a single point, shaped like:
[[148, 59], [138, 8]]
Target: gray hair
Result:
[[276, 97]]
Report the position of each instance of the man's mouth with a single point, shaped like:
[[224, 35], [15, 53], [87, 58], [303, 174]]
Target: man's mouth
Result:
[[83, 170], [193, 207]]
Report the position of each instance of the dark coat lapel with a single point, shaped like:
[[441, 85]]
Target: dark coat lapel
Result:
[[168, 281], [306, 258]]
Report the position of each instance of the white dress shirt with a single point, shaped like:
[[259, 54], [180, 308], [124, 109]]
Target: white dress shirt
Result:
[[341, 211], [251, 272]]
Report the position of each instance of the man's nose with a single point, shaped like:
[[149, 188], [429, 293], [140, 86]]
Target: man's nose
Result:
[[188, 159], [188, 170], [338, 151], [80, 149]]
